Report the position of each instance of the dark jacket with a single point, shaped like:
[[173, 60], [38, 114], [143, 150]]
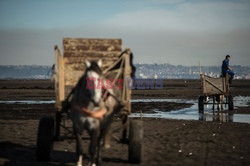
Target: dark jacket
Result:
[[224, 67]]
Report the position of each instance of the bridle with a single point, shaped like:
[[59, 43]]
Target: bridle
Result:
[[105, 95]]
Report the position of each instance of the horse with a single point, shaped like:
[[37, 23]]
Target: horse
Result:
[[92, 111], [219, 99]]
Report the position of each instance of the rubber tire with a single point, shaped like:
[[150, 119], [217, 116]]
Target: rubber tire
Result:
[[230, 102], [201, 104], [135, 141], [45, 136]]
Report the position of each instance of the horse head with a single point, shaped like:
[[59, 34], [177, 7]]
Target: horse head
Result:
[[94, 74]]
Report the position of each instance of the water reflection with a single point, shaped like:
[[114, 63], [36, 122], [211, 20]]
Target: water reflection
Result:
[[192, 113], [217, 116]]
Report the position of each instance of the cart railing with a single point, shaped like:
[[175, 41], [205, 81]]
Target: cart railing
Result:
[[214, 86], [123, 71], [59, 78]]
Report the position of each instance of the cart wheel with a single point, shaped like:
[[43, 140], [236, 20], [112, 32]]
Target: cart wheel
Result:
[[230, 102], [135, 141], [201, 104], [45, 139]]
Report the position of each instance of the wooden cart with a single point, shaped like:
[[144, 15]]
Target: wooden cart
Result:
[[69, 67], [214, 88]]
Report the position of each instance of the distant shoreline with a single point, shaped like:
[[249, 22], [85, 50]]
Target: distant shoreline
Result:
[[160, 71]]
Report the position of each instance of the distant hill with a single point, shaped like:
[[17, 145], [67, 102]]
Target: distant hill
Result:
[[25, 72], [168, 71], [164, 71]]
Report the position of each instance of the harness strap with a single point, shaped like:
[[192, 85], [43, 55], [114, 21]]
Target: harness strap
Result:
[[94, 114], [105, 94]]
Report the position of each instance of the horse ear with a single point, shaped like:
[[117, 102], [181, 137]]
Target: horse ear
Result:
[[99, 63], [87, 63]]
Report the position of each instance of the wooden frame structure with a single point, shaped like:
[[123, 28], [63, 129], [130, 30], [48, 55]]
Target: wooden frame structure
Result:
[[214, 88]]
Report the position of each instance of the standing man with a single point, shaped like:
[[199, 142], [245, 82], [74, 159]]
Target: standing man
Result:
[[225, 69]]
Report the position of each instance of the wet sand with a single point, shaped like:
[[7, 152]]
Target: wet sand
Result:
[[166, 142]]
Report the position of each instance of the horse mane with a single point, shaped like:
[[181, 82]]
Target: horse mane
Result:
[[118, 65], [132, 65], [81, 94]]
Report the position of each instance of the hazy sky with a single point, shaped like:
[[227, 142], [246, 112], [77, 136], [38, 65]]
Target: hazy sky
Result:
[[163, 31]]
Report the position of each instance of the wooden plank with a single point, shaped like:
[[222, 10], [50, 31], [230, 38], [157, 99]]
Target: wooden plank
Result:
[[81, 48], [57, 54], [92, 53], [203, 83], [77, 63], [93, 41], [71, 78], [227, 85], [72, 60], [213, 86], [127, 91], [61, 79]]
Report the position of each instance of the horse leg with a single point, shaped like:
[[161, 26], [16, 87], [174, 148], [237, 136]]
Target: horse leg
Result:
[[106, 132], [79, 149], [222, 101], [99, 159], [219, 99], [93, 146], [107, 138]]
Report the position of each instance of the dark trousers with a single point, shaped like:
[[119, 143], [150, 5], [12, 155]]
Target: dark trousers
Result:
[[231, 73]]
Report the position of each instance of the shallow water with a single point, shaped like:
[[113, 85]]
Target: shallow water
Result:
[[190, 113], [28, 102], [162, 100]]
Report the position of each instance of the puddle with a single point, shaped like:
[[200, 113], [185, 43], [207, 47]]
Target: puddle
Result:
[[192, 113], [28, 102], [162, 100], [242, 101]]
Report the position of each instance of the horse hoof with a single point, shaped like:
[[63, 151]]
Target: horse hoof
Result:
[[91, 164], [107, 146], [78, 164]]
